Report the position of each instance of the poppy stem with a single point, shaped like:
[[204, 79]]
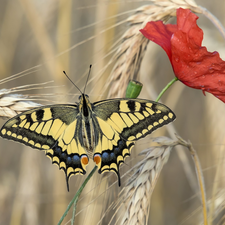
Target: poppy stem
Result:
[[167, 87]]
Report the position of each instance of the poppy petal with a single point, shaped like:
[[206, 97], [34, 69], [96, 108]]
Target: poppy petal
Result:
[[193, 65], [161, 34]]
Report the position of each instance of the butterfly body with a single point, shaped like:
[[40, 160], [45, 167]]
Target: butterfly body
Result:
[[105, 130]]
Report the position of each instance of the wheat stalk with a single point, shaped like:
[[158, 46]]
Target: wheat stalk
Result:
[[133, 45]]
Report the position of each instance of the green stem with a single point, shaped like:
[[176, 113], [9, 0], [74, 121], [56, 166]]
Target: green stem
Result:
[[75, 198], [167, 87]]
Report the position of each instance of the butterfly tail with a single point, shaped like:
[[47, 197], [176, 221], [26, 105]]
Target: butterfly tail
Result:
[[67, 183]]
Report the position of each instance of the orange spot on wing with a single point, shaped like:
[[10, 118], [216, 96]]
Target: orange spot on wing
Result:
[[84, 159], [97, 159]]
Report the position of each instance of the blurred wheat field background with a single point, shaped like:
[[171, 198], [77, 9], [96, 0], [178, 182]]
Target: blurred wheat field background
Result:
[[40, 39]]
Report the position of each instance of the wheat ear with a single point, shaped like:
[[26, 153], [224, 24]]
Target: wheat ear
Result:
[[13, 104], [136, 195]]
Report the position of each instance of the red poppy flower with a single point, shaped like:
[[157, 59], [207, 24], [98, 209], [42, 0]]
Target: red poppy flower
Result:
[[193, 65]]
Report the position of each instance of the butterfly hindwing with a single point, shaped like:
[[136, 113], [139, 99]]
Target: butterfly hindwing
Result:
[[111, 149], [122, 122]]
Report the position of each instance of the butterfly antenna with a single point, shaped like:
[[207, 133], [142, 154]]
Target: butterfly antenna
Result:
[[72, 82], [87, 78]]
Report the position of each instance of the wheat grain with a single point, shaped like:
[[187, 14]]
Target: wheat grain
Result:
[[12, 104]]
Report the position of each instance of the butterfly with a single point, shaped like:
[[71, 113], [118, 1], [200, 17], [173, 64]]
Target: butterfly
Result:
[[69, 134], [72, 133]]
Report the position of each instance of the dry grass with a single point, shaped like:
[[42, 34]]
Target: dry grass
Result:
[[32, 191]]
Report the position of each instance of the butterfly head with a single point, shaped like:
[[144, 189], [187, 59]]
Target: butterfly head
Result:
[[85, 105]]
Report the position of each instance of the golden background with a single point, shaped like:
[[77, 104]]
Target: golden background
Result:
[[40, 39]]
